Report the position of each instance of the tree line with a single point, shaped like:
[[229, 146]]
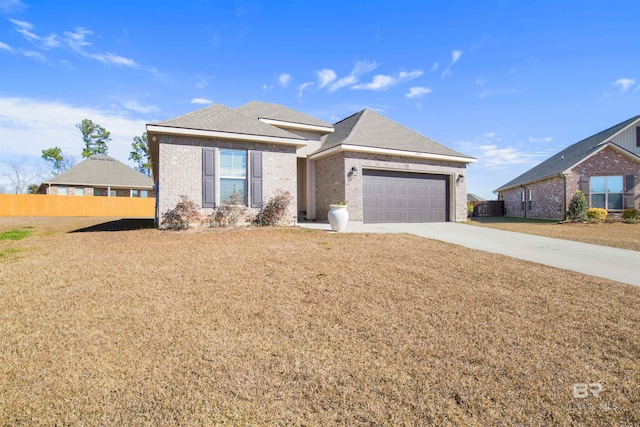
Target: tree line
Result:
[[95, 138]]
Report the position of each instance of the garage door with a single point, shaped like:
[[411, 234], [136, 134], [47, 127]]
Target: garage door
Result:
[[404, 197]]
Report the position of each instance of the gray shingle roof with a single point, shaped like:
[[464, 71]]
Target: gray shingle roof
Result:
[[568, 157], [474, 198], [264, 110], [103, 171], [370, 129], [219, 118]]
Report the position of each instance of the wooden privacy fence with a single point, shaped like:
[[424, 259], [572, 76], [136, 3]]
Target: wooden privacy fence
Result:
[[46, 205], [489, 208]]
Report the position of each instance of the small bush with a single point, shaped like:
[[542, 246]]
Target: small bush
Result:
[[577, 208], [274, 209], [630, 214], [180, 217], [598, 214], [469, 208], [230, 213]]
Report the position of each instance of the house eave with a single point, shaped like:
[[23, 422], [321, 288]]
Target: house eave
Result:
[[390, 152], [614, 146], [87, 184], [226, 135], [298, 126]]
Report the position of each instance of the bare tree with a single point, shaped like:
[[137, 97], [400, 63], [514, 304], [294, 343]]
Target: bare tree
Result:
[[21, 174]]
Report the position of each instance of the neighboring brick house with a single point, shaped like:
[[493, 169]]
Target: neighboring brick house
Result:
[[99, 175], [387, 172], [605, 167]]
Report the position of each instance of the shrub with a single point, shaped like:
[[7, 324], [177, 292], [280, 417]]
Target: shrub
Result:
[[274, 209], [230, 212], [630, 214], [180, 217], [598, 214], [469, 208], [577, 208]]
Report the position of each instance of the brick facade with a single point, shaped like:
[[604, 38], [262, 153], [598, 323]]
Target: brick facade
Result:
[[550, 200], [334, 185], [180, 169]]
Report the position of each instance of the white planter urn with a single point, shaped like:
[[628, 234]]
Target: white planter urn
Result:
[[338, 217]]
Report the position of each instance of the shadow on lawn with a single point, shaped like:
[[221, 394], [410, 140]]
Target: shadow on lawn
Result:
[[119, 225], [511, 220]]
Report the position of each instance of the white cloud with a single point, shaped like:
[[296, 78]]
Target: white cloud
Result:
[[418, 91], [111, 59], [383, 82], [345, 81], [302, 88], [625, 84], [360, 68], [435, 66], [325, 76], [5, 47], [11, 6], [493, 155], [544, 139], [203, 101], [203, 81], [47, 124], [76, 39], [364, 67], [136, 106], [284, 79], [480, 81], [445, 73], [455, 55]]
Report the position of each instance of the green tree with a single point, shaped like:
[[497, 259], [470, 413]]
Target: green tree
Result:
[[95, 138], [33, 188], [140, 154], [578, 207], [59, 161]]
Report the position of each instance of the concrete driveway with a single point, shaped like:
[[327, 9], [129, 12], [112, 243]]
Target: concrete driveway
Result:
[[602, 261]]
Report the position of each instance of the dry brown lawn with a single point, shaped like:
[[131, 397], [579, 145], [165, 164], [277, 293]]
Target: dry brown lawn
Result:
[[617, 234], [298, 327]]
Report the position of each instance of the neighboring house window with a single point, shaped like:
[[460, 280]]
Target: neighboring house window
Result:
[[606, 192], [79, 191], [233, 174], [112, 193], [99, 192], [529, 199], [62, 190], [134, 193], [144, 193], [522, 198]]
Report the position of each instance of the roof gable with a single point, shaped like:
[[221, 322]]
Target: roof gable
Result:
[[370, 129], [264, 110], [102, 170], [219, 118], [570, 156]]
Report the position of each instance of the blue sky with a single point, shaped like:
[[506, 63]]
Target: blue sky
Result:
[[508, 82]]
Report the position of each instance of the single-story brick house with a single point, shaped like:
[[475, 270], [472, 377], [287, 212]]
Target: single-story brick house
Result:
[[99, 175], [386, 172], [605, 167]]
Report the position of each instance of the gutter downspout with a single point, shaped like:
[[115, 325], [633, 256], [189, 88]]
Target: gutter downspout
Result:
[[564, 198]]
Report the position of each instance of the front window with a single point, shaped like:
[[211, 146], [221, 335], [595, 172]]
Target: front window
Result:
[[79, 191], [606, 192], [233, 175], [62, 190]]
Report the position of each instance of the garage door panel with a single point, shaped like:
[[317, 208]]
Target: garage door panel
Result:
[[404, 197]]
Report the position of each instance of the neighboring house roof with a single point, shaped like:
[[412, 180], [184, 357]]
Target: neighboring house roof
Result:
[[473, 198], [277, 112], [370, 129], [219, 118], [570, 156], [102, 171]]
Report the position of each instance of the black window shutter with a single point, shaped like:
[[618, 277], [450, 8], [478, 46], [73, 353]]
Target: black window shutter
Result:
[[256, 179], [637, 136], [208, 178], [630, 183], [584, 186]]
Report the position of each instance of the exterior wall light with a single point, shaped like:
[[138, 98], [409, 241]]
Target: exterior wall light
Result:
[[460, 178]]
